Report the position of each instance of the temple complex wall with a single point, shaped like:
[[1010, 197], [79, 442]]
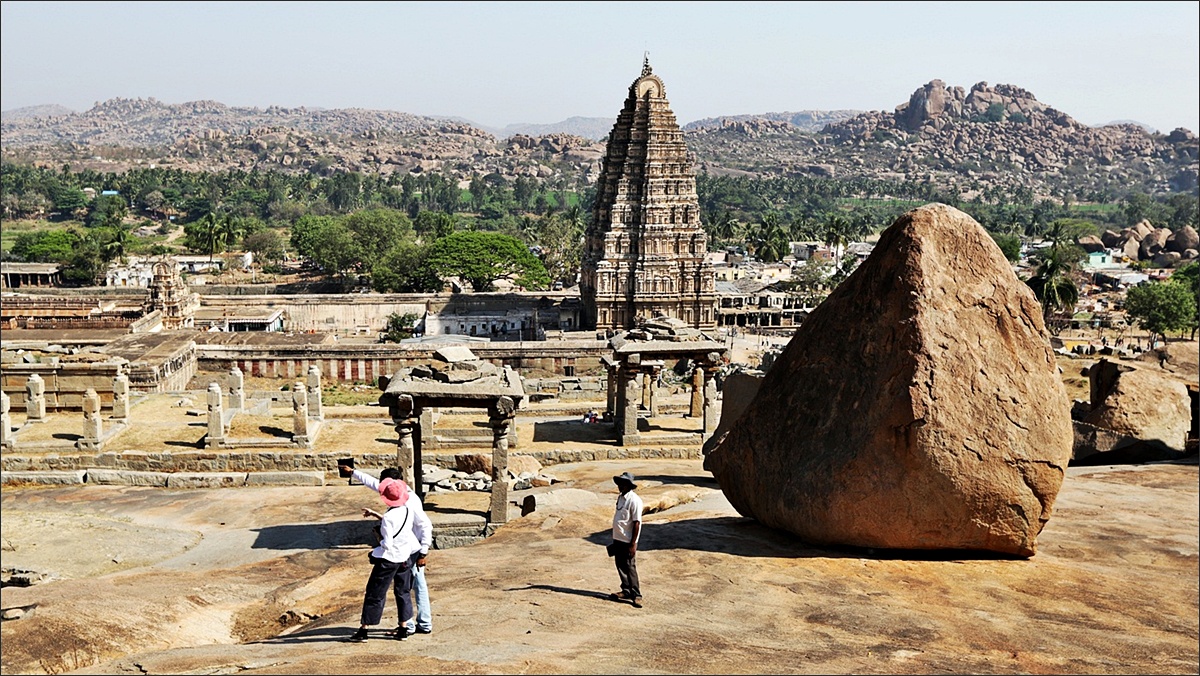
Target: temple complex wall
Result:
[[65, 382]]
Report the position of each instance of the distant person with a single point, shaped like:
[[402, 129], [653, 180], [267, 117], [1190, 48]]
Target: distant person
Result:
[[627, 527], [405, 534]]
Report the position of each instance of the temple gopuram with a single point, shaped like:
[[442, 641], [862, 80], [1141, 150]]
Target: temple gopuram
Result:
[[644, 253]]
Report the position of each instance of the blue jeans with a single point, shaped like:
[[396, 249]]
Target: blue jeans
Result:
[[423, 616]]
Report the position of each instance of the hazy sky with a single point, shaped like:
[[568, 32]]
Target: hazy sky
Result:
[[497, 63]]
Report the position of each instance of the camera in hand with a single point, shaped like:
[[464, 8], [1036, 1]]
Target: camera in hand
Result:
[[348, 462]]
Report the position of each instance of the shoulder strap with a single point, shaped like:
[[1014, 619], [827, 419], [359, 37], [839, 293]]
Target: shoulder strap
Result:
[[407, 513]]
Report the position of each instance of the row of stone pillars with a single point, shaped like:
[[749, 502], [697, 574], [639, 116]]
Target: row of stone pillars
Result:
[[306, 406], [93, 424], [35, 398], [411, 420]]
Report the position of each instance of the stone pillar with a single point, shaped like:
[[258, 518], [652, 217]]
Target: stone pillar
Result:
[[121, 397], [406, 451], [710, 403], [428, 440], [418, 482], [35, 399], [628, 395], [403, 419], [300, 414], [314, 393], [652, 389], [237, 390], [501, 417], [611, 412], [93, 427], [6, 435], [647, 385], [697, 406], [216, 417]]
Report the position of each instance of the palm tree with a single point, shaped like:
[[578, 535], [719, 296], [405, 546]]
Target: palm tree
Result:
[[836, 237], [1053, 284]]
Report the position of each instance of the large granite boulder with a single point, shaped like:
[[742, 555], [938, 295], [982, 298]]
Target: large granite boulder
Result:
[[1142, 406], [918, 407], [1183, 239]]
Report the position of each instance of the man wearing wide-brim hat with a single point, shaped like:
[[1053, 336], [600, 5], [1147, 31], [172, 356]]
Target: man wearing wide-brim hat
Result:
[[627, 527]]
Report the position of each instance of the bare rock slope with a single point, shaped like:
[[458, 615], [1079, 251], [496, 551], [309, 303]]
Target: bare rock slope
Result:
[[919, 407]]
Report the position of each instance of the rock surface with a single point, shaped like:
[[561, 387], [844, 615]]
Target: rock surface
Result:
[[919, 406], [268, 580], [1140, 405]]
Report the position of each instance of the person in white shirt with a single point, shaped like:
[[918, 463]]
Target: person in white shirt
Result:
[[627, 527], [405, 534], [422, 621]]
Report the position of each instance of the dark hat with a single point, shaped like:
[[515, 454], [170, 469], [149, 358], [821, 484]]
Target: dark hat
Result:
[[626, 477]]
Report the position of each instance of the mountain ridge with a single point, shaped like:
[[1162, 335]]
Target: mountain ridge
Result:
[[988, 135]]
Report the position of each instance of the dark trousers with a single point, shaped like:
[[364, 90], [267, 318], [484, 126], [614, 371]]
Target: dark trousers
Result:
[[386, 574], [627, 570]]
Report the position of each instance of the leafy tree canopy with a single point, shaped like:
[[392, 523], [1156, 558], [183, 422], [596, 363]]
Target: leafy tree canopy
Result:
[[1162, 307], [481, 258]]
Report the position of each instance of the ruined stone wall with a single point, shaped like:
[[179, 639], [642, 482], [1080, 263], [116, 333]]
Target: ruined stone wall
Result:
[[288, 461], [330, 312], [365, 363], [66, 382]]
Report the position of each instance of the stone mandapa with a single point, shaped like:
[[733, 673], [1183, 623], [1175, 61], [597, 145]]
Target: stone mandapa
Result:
[[918, 407]]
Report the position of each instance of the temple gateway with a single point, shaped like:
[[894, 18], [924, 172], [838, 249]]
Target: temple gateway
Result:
[[644, 253]]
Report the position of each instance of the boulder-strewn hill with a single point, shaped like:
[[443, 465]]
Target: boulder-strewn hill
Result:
[[804, 120], [987, 136], [36, 112], [205, 135]]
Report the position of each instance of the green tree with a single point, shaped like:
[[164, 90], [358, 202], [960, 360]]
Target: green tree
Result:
[[1162, 307], [46, 246], [481, 258], [267, 246], [376, 230], [1053, 282], [402, 270], [1010, 246], [401, 326]]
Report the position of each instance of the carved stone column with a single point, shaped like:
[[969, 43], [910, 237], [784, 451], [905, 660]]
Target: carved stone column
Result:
[[300, 414], [652, 389], [710, 402], [93, 427], [628, 394], [697, 405], [647, 385], [216, 417], [315, 409], [121, 397], [237, 390], [611, 412], [6, 435], [35, 399], [403, 419], [500, 415]]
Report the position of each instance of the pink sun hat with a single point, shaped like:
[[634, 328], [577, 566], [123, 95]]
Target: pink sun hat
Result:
[[393, 492]]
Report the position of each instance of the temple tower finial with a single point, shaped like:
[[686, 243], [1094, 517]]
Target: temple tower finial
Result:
[[646, 63]]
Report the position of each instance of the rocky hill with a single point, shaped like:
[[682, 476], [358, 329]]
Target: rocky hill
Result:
[[804, 120], [974, 139], [999, 135], [36, 112]]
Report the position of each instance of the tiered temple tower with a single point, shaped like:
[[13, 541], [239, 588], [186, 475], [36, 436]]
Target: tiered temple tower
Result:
[[644, 253], [169, 295]]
